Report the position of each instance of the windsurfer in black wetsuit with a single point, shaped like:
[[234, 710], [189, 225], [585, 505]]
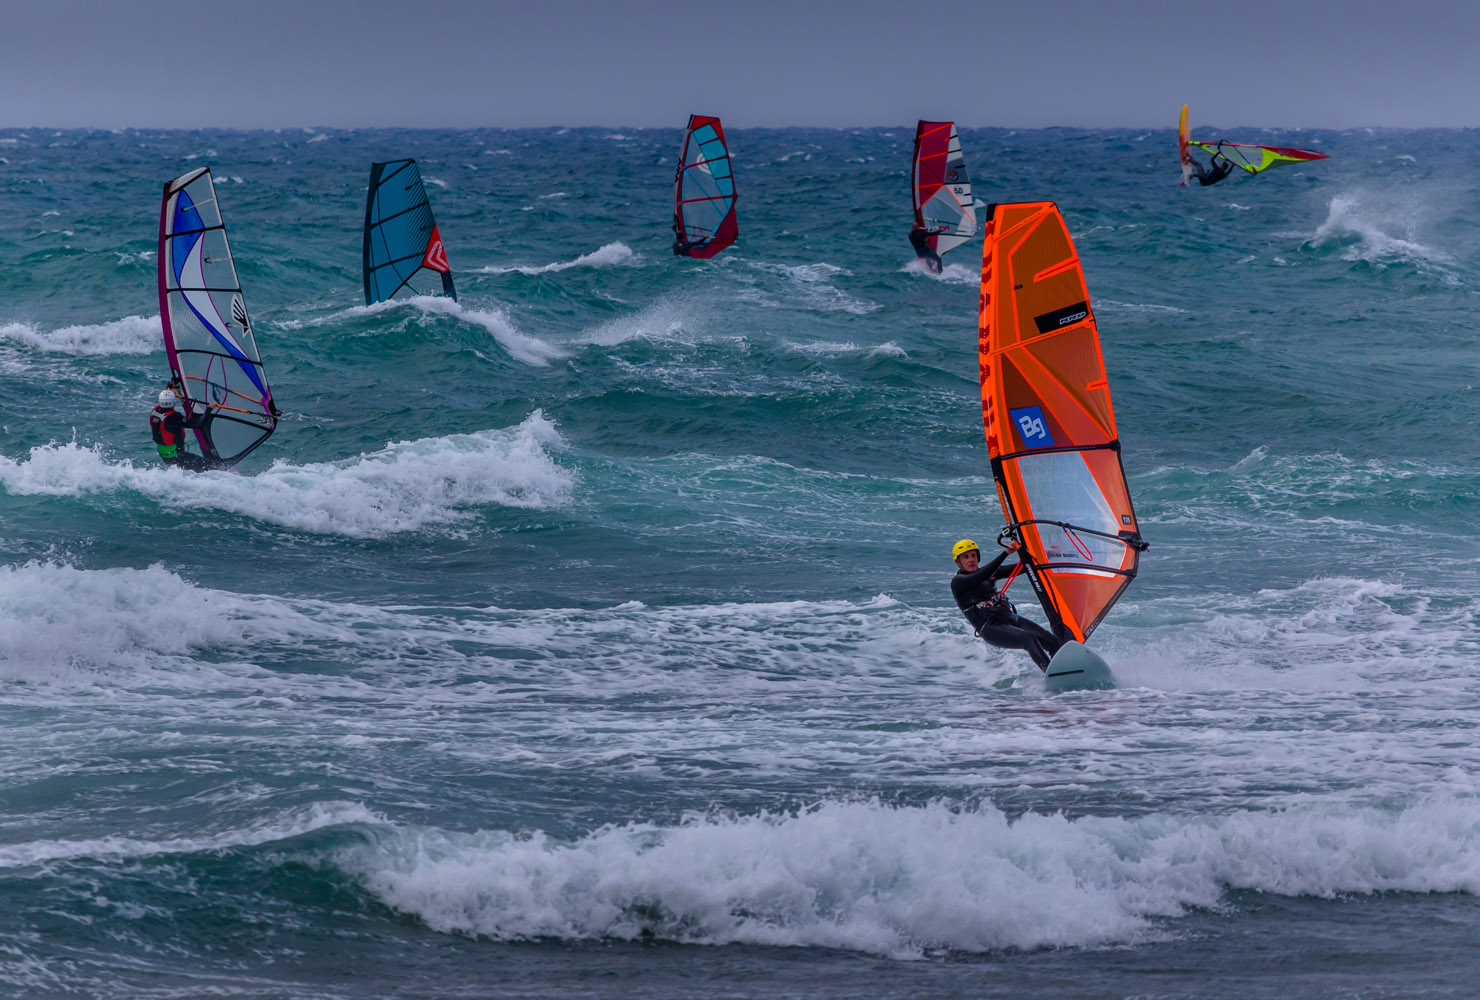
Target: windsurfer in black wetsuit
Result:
[[1222, 167], [989, 612], [168, 425], [920, 240], [681, 243]]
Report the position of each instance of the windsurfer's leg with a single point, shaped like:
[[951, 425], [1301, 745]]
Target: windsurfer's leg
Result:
[[1043, 635], [1013, 637], [191, 461]]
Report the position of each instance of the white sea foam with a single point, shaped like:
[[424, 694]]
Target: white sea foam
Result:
[[130, 335], [407, 486], [671, 318], [521, 346], [812, 288], [833, 348], [1111, 305], [1377, 230], [607, 256], [57, 621], [293, 823], [950, 274], [907, 881]]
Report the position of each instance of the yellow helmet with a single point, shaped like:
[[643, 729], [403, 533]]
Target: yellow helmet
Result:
[[964, 546]]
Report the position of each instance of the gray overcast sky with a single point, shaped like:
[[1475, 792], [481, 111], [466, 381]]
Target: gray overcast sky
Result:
[[460, 63]]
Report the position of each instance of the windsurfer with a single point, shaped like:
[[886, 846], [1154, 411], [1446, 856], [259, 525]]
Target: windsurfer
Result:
[[919, 239], [168, 425], [1222, 167], [989, 612]]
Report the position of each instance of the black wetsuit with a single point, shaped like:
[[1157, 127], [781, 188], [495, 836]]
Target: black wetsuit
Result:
[[681, 242], [919, 239], [1206, 177], [994, 618]]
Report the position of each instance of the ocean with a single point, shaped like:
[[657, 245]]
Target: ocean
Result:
[[591, 636]]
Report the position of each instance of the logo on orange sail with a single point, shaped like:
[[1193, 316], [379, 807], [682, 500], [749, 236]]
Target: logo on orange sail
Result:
[[1060, 318], [1032, 428], [436, 255]]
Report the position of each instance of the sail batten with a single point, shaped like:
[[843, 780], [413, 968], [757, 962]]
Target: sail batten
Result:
[[399, 230], [207, 332], [1050, 422], [704, 220]]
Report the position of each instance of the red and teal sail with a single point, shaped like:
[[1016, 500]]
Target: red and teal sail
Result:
[[704, 196]]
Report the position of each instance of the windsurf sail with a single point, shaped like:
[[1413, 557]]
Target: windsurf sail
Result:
[[1049, 420], [1247, 157], [207, 333], [1256, 159], [704, 191], [944, 206], [403, 246]]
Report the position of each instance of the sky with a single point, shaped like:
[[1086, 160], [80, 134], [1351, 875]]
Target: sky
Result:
[[755, 63]]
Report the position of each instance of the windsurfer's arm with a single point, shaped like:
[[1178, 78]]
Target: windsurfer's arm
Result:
[[1005, 571], [1008, 547]]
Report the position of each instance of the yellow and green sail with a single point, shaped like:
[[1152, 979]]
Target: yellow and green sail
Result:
[[1255, 159]]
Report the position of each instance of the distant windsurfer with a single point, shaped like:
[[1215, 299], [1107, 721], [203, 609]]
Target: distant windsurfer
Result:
[[920, 240], [989, 612], [1222, 167], [168, 426]]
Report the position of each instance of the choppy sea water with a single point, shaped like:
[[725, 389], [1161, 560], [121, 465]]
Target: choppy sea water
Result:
[[591, 636]]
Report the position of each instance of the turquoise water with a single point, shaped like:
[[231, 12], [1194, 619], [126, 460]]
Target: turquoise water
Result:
[[591, 636]]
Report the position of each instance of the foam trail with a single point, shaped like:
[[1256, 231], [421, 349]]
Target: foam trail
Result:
[[832, 348], [130, 335], [520, 346], [294, 823], [612, 253], [950, 274], [853, 874], [406, 486]]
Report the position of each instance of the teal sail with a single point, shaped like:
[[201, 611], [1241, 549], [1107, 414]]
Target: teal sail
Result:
[[403, 247]]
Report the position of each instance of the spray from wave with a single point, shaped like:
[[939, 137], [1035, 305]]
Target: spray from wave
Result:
[[520, 346], [406, 486], [129, 335], [608, 256], [1376, 230]]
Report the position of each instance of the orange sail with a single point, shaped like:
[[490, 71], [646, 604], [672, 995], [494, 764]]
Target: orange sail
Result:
[[1050, 424]]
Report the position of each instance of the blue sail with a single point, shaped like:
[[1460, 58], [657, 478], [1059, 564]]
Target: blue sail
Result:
[[401, 237]]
